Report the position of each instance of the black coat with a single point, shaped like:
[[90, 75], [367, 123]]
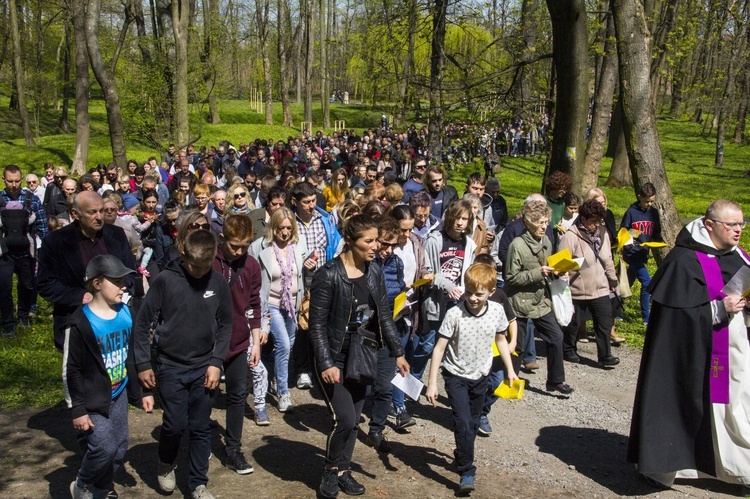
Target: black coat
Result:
[[331, 299], [61, 270]]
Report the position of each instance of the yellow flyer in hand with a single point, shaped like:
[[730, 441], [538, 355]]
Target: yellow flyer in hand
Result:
[[653, 244], [398, 304], [563, 261], [421, 282], [508, 390], [623, 239]]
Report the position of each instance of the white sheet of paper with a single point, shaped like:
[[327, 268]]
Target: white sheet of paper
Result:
[[739, 284], [408, 384]]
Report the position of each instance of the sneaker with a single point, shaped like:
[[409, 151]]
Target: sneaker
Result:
[[143, 271], [166, 478], [349, 486], [261, 417], [392, 412], [9, 332], [285, 403], [329, 484], [377, 441], [272, 387], [466, 484], [112, 494], [236, 462], [80, 492], [404, 420], [484, 426], [25, 322], [559, 387], [201, 492], [304, 381]]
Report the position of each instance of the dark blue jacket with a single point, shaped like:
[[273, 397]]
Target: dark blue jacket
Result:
[[393, 271], [646, 221]]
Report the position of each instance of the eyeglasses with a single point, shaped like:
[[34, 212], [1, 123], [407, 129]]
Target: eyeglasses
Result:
[[282, 229], [422, 217], [240, 195], [110, 210], [420, 166], [60, 177], [731, 225], [197, 226], [388, 245]]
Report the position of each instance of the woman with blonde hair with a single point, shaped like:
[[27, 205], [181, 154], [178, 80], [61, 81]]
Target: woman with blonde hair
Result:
[[282, 262], [394, 193], [337, 190], [238, 199]]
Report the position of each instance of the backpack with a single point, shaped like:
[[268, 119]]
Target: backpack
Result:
[[16, 225]]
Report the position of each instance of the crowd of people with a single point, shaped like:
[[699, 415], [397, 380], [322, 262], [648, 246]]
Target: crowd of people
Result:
[[277, 265]]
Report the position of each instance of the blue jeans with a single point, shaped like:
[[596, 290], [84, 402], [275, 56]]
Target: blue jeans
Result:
[[421, 350], [529, 345], [494, 379], [283, 329], [637, 270], [397, 396]]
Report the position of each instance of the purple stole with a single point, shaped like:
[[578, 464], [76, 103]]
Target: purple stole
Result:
[[719, 377]]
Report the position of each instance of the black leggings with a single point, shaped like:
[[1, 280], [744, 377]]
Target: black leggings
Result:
[[235, 376], [345, 401]]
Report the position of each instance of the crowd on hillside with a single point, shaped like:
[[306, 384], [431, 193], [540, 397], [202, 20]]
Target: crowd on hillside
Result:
[[278, 264]]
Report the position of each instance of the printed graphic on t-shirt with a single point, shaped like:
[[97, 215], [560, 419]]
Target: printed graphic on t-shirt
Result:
[[645, 226], [112, 336], [452, 260], [362, 314]]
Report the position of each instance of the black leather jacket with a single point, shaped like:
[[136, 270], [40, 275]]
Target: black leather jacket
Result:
[[331, 300]]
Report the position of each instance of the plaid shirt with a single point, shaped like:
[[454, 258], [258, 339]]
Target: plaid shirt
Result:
[[314, 235], [36, 207]]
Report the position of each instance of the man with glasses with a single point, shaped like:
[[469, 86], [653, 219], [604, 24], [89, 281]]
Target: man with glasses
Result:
[[424, 222], [32, 183], [66, 252], [414, 184], [691, 404], [54, 198], [23, 221]]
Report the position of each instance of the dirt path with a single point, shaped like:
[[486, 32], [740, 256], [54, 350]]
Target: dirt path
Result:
[[542, 446]]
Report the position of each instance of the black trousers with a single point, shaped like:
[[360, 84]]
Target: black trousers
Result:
[[601, 313], [302, 352], [382, 391], [187, 406], [235, 380], [548, 331], [344, 400], [22, 265], [466, 398]]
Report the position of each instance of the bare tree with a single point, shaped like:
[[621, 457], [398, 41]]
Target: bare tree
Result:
[[107, 81], [437, 70], [261, 19], [210, 18], [81, 154], [23, 112], [180, 21], [323, 30], [283, 43], [309, 57]]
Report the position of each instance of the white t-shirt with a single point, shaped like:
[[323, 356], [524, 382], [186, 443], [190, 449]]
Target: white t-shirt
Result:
[[406, 254], [469, 350]]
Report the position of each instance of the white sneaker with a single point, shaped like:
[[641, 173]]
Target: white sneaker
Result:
[[304, 382], [201, 492], [166, 478], [285, 403]]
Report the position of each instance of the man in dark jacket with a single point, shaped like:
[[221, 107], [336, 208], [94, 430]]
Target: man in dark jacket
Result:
[[442, 194]]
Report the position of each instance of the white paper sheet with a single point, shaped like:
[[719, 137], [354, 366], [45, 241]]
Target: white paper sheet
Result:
[[739, 284], [408, 384]]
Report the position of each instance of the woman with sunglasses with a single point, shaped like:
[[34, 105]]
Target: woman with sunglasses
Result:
[[282, 260], [238, 199]]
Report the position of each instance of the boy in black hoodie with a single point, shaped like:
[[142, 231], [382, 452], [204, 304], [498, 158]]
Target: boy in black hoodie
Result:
[[192, 308]]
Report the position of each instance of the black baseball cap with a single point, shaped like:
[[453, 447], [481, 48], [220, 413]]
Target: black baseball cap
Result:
[[106, 265]]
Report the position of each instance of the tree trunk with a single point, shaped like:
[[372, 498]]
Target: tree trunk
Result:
[[639, 120], [180, 21], [283, 70], [310, 57], [522, 92], [140, 25], [23, 112], [570, 47], [437, 68], [602, 112], [739, 129], [261, 20], [323, 30], [667, 20], [408, 70], [107, 82], [674, 106], [210, 19], [81, 154], [64, 123], [619, 172], [299, 43]]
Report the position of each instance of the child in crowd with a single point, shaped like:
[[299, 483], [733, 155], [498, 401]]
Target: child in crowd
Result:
[[94, 377], [192, 308], [643, 217], [570, 213], [146, 219], [464, 348], [497, 374]]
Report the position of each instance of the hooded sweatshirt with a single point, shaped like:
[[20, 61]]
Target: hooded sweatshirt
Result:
[[193, 320]]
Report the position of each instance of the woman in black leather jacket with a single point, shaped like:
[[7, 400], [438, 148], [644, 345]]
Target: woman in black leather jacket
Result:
[[348, 292]]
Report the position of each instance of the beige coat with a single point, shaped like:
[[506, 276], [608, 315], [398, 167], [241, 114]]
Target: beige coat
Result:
[[595, 278]]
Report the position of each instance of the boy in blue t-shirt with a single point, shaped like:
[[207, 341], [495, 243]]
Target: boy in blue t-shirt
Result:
[[643, 217], [95, 376]]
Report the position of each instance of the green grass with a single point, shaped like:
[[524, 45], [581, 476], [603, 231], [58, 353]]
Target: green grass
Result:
[[32, 367]]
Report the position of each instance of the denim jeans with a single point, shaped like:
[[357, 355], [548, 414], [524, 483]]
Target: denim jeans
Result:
[[421, 350], [637, 270], [528, 348], [496, 376], [406, 340], [283, 329], [466, 398]]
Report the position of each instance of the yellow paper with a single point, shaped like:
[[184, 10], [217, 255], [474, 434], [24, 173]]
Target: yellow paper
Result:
[[421, 282], [495, 351], [508, 390], [562, 261], [623, 239], [653, 244], [398, 304]]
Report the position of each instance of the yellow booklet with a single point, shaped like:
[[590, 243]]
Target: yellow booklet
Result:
[[421, 282], [508, 390], [563, 261], [653, 244], [398, 304]]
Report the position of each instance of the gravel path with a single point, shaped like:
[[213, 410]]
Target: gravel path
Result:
[[542, 446]]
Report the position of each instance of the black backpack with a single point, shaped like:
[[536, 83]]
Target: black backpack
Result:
[[15, 226]]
